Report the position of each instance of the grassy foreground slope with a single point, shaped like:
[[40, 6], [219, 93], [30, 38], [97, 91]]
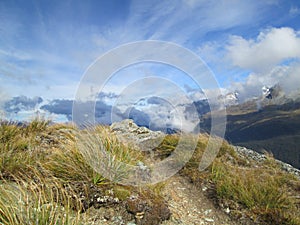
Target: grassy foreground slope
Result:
[[44, 179]]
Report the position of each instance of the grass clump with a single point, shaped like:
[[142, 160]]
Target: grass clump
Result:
[[44, 202], [167, 146], [264, 191], [122, 193], [106, 154], [69, 165], [40, 165], [15, 149], [38, 161], [261, 192]]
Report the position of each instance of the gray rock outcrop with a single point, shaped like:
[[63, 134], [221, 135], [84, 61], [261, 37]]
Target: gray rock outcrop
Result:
[[260, 158], [143, 138]]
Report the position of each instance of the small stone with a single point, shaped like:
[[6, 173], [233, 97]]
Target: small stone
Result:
[[208, 220], [206, 212], [181, 188], [227, 210], [139, 215]]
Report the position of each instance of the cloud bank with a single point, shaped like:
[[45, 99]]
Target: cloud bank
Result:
[[22, 103], [273, 58], [271, 47]]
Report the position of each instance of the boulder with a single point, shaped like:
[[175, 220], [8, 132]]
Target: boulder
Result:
[[141, 137]]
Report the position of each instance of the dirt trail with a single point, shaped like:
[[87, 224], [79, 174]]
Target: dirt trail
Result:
[[190, 206]]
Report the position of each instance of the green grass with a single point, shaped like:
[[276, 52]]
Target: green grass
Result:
[[266, 192], [39, 160], [106, 154], [262, 192], [40, 202]]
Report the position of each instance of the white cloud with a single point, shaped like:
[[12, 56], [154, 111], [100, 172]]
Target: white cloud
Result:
[[271, 47], [3, 98], [286, 76], [210, 51], [61, 50], [181, 20]]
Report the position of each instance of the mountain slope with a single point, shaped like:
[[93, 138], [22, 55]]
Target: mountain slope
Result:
[[273, 128]]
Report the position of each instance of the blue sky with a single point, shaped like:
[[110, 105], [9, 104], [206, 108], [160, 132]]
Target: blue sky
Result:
[[46, 46]]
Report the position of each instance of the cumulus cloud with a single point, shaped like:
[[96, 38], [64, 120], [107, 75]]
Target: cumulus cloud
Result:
[[22, 103], [141, 118], [3, 99], [103, 112], [59, 106], [155, 100], [287, 77], [270, 48], [160, 114]]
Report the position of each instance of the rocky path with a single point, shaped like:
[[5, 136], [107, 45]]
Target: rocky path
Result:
[[190, 206]]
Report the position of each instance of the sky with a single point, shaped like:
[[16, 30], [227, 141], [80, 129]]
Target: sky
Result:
[[47, 46]]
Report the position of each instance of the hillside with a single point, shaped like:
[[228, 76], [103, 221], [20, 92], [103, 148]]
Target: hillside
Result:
[[274, 128], [45, 178]]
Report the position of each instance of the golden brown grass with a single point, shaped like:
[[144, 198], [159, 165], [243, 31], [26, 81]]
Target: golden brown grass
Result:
[[261, 192], [37, 201], [38, 159], [265, 191]]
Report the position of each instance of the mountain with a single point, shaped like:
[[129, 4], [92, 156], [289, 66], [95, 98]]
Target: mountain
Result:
[[270, 123], [230, 98]]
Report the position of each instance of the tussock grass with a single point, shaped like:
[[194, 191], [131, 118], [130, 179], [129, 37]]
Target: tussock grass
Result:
[[106, 154], [63, 150], [36, 126], [39, 160], [261, 192], [40, 201], [167, 146], [68, 165], [254, 188], [15, 153], [265, 191]]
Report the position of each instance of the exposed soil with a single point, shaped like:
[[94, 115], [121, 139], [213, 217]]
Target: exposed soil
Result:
[[190, 205]]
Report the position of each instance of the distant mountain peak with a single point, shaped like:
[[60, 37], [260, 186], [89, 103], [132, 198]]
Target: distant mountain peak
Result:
[[272, 92], [230, 98]]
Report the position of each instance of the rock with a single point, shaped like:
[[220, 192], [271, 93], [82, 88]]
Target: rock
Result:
[[136, 205], [260, 158], [143, 172], [208, 220], [148, 212], [206, 212], [204, 188], [90, 195], [143, 138], [249, 154], [227, 210]]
